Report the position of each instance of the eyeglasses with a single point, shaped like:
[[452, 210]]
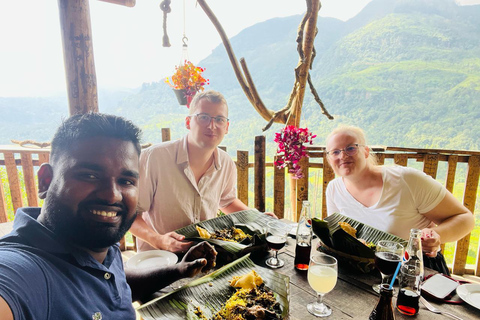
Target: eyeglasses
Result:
[[350, 151], [204, 119]]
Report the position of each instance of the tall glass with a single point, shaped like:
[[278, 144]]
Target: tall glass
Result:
[[277, 233], [387, 256], [322, 277]]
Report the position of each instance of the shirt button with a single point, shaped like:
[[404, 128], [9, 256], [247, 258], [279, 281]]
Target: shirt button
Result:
[[107, 276]]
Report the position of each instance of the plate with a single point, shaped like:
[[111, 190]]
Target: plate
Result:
[[152, 258], [470, 293]]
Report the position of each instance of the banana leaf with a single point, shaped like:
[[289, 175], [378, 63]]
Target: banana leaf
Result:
[[210, 292], [252, 222], [346, 247]]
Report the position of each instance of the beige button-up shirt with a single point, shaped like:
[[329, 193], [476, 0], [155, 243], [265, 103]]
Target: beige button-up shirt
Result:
[[169, 195]]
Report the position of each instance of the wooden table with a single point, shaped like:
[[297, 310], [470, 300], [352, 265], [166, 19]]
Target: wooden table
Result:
[[352, 297]]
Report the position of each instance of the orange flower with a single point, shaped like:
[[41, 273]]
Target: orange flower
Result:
[[188, 77]]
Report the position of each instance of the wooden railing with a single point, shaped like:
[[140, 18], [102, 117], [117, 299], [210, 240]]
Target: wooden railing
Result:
[[27, 159]]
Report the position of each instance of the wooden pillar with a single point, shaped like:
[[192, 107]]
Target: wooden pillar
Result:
[[259, 173], [78, 56]]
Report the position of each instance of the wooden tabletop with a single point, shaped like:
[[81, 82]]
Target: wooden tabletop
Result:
[[352, 297]]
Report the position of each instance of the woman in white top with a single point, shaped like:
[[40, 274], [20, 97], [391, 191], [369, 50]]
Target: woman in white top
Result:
[[393, 199]]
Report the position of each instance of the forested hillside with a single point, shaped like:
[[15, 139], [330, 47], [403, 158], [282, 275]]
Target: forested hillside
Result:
[[408, 72]]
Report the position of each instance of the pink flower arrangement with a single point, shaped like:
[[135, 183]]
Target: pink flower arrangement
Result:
[[291, 148]]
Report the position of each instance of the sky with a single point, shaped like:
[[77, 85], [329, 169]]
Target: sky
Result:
[[127, 42]]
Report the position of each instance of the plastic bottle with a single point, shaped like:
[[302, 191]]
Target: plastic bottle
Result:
[[411, 275], [304, 238], [384, 307]]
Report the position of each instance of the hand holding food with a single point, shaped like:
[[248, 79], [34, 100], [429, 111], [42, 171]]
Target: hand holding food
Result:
[[200, 258]]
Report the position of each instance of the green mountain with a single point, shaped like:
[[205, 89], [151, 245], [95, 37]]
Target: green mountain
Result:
[[407, 71]]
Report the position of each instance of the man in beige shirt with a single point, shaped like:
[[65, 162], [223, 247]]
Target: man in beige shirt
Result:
[[188, 180]]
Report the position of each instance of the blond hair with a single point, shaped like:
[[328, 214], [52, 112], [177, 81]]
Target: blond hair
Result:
[[210, 95], [359, 134]]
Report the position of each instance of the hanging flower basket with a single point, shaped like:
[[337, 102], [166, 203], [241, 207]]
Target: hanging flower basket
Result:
[[291, 148], [186, 82], [181, 95]]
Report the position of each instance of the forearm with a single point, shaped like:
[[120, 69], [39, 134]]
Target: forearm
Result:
[[142, 230], [235, 206], [455, 227], [144, 284]]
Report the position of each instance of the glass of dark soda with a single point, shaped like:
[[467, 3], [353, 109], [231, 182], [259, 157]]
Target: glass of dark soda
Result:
[[277, 233], [387, 256]]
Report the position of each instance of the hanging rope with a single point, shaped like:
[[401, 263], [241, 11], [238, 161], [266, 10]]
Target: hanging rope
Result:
[[165, 7], [184, 39]]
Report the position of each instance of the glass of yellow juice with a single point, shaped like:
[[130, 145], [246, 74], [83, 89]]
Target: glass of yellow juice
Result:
[[322, 277]]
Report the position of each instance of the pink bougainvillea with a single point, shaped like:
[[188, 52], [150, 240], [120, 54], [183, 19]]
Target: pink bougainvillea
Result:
[[291, 148]]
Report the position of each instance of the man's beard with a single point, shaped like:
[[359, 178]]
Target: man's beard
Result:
[[75, 229]]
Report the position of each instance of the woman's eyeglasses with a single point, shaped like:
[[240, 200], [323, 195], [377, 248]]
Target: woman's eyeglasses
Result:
[[204, 119], [350, 151]]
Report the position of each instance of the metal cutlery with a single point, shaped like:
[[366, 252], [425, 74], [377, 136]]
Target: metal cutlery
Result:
[[436, 310]]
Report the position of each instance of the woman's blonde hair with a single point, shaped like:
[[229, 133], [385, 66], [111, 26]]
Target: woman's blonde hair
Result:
[[359, 134]]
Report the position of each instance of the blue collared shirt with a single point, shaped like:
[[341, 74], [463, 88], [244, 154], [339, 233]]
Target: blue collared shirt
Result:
[[43, 278]]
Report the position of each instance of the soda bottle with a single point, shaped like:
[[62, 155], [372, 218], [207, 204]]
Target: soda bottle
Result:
[[384, 308], [304, 238], [411, 275]]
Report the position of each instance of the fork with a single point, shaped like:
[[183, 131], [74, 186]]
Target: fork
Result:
[[436, 310]]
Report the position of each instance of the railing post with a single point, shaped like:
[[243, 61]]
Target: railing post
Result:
[[260, 173], [165, 134], [242, 176], [302, 186], [400, 159], [470, 196], [3, 205], [328, 175], [29, 179], [278, 191], [13, 182], [430, 165]]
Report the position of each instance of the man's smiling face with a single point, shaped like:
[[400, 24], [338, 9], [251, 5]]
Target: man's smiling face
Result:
[[92, 192]]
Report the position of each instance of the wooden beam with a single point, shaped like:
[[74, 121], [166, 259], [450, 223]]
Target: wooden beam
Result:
[[78, 56], [126, 3]]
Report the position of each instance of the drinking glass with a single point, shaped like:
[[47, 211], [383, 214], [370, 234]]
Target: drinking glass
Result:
[[322, 277], [387, 256], [277, 233]]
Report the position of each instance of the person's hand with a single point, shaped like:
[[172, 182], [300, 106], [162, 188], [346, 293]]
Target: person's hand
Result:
[[200, 258], [173, 242], [271, 214], [430, 242]]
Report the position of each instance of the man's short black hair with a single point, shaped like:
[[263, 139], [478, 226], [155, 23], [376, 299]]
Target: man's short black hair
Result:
[[84, 126]]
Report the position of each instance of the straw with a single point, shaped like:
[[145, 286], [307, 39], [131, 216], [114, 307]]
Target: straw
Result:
[[395, 274]]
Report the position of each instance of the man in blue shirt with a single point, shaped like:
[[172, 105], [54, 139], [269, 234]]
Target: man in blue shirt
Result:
[[61, 261]]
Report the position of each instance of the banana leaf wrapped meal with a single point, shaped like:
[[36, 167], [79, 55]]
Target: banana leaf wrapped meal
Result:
[[240, 291], [351, 241], [233, 235]]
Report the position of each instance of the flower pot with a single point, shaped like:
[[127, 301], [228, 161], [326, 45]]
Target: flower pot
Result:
[[181, 96]]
